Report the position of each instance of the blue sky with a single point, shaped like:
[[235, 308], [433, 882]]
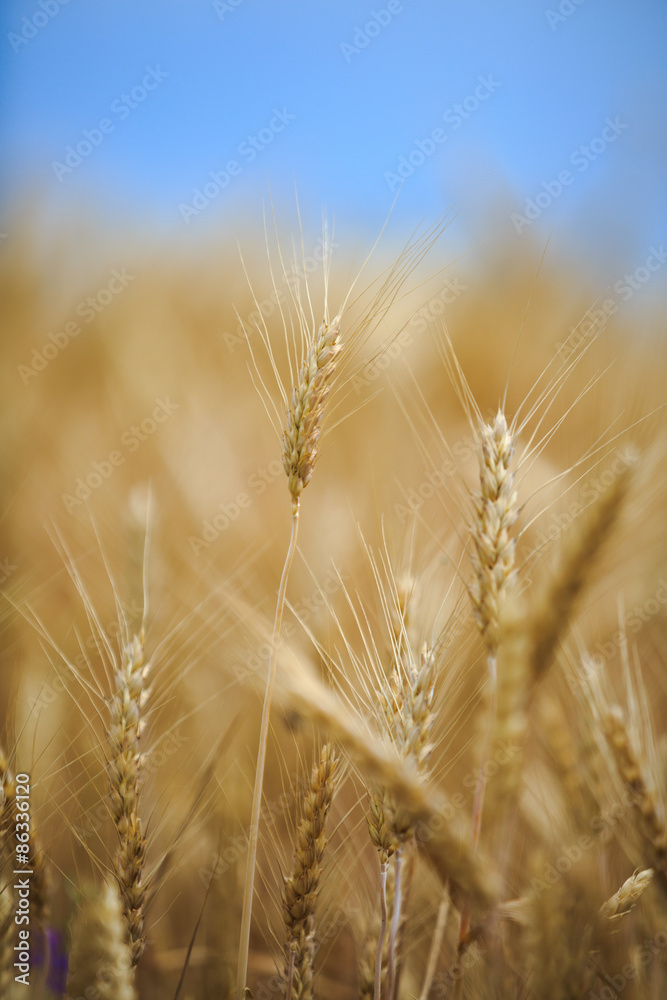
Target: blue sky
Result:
[[331, 94]]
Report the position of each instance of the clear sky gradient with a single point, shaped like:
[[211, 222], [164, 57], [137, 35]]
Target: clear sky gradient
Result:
[[332, 94]]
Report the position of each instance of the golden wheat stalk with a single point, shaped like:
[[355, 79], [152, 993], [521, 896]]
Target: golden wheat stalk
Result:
[[645, 799], [493, 564], [300, 437], [321, 355], [124, 772], [438, 833], [100, 964], [301, 888], [554, 606]]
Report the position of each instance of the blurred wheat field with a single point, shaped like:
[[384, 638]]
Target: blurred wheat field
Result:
[[473, 631]]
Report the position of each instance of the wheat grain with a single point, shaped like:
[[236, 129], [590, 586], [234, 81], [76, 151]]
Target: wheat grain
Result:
[[100, 961], [301, 887], [304, 418], [124, 768], [625, 898]]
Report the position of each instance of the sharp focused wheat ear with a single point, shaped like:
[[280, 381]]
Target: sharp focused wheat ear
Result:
[[127, 720], [496, 513], [304, 417], [301, 429], [100, 963], [301, 887]]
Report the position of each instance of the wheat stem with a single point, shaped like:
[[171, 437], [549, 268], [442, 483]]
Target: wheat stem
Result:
[[436, 943], [377, 988], [395, 921], [253, 836]]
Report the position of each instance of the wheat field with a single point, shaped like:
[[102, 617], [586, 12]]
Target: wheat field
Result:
[[334, 590]]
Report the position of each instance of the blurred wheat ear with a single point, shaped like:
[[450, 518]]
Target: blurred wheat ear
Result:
[[100, 960]]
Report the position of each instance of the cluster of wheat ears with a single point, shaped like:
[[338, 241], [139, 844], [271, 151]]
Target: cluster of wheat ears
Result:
[[471, 797]]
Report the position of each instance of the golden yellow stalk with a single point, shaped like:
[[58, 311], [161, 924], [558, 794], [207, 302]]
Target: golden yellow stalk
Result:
[[645, 800], [301, 887], [100, 962], [555, 604], [302, 431], [124, 769]]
